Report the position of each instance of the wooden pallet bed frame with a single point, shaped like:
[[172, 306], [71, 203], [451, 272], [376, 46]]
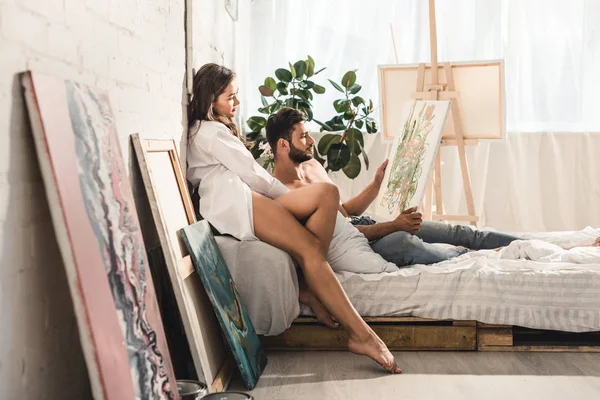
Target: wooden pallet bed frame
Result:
[[422, 334]]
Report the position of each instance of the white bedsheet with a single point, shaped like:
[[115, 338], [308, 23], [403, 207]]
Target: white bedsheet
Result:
[[530, 283], [548, 288]]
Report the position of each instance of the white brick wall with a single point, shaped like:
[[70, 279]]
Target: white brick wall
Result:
[[135, 50]]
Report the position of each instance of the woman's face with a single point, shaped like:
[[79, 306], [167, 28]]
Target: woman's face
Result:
[[226, 104]]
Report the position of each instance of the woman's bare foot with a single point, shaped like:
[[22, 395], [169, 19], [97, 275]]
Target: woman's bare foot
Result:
[[323, 316], [374, 348]]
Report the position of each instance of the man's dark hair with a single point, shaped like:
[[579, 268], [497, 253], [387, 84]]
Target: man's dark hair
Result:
[[281, 125]]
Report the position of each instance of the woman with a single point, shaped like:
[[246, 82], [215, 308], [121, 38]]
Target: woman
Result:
[[240, 198]]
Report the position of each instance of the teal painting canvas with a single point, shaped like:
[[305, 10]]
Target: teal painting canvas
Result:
[[226, 301]]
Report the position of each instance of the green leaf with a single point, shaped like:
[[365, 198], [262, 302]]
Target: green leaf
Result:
[[291, 102], [309, 84], [318, 158], [335, 85], [251, 136], [324, 125], [341, 105], [370, 106], [355, 140], [304, 94], [309, 113], [352, 169], [270, 82], [310, 67], [264, 101], [326, 141], [256, 123], [319, 89], [355, 88], [375, 127], [300, 68], [292, 70], [337, 120], [338, 156], [275, 107], [371, 127], [349, 114], [265, 91], [359, 124], [349, 79], [256, 151], [365, 157], [265, 110], [283, 75], [357, 100], [282, 88], [322, 69]]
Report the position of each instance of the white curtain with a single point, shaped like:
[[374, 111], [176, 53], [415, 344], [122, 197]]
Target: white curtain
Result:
[[530, 181]]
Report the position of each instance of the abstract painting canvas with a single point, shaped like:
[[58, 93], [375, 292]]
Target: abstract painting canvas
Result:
[[411, 158], [226, 301], [98, 232]]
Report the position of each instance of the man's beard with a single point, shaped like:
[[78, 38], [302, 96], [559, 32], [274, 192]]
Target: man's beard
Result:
[[298, 156]]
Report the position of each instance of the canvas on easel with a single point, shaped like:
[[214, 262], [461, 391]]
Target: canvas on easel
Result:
[[477, 111], [479, 93], [172, 210], [411, 158], [98, 232]]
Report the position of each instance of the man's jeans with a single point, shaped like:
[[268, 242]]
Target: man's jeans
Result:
[[404, 249]]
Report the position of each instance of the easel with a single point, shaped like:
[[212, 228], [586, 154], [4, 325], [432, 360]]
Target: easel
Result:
[[436, 91]]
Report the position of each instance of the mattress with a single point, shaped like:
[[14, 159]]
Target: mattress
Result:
[[531, 283]]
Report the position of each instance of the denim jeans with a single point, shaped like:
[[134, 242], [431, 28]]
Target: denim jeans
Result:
[[404, 249]]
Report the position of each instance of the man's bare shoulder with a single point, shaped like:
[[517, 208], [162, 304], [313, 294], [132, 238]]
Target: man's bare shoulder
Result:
[[312, 163], [297, 184], [314, 171]]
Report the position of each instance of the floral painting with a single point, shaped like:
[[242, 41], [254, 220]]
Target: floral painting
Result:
[[411, 158]]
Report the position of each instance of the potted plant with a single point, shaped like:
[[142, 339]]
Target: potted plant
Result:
[[342, 150]]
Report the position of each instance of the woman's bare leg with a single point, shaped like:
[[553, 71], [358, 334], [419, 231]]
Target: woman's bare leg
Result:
[[316, 207], [303, 204], [276, 225], [305, 296]]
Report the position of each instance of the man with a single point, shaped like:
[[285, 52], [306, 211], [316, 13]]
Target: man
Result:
[[404, 241]]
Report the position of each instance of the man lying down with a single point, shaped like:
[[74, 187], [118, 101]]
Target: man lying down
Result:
[[361, 245]]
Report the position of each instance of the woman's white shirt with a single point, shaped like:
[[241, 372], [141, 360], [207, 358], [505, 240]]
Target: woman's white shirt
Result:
[[226, 174]]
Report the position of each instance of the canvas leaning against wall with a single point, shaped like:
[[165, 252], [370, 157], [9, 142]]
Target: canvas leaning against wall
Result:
[[226, 301], [98, 232], [411, 157]]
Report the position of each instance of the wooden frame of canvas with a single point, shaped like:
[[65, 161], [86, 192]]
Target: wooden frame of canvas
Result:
[[209, 353]]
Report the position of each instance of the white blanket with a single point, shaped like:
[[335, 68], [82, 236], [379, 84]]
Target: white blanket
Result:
[[530, 283]]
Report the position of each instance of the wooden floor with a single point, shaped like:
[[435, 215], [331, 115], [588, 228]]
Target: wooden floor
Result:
[[429, 375]]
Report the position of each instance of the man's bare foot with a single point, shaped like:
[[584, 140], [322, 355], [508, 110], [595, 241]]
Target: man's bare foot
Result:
[[595, 244], [374, 348], [321, 313]]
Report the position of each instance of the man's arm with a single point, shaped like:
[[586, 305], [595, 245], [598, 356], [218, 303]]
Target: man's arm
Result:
[[315, 172], [358, 204], [409, 221], [377, 231]]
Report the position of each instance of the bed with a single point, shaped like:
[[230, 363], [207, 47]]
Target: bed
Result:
[[529, 296]]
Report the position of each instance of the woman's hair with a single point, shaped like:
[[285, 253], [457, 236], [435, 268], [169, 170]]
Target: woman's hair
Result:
[[210, 82]]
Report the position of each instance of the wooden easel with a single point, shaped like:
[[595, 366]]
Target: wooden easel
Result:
[[436, 91]]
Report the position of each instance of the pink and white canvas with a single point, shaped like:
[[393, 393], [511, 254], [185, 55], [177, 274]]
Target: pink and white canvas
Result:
[[99, 236]]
